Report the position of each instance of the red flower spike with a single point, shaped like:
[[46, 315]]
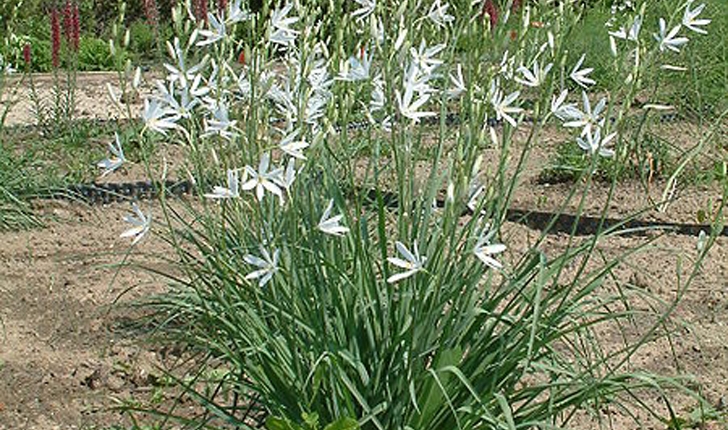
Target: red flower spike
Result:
[[26, 54], [75, 27], [201, 10], [222, 5], [491, 10], [151, 12], [55, 39], [241, 57], [68, 21]]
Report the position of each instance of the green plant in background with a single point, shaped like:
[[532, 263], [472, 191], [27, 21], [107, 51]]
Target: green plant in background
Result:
[[15, 212], [94, 54], [651, 159], [143, 40], [55, 116], [310, 422]]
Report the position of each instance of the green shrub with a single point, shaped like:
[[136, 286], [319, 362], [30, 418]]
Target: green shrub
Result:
[[94, 54]]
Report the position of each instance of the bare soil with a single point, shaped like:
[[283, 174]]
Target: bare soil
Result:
[[92, 97], [68, 357]]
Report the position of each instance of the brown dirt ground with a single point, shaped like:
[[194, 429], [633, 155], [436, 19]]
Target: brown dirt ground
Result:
[[91, 88], [66, 358]]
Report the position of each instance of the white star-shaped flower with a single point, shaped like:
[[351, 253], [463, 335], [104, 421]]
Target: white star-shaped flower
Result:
[[458, 83], [580, 76], [218, 32], [263, 180], [438, 14], [502, 104], [232, 190], [268, 266], [158, 118], [594, 144], [588, 119], [332, 225], [412, 262], [484, 249], [669, 40], [293, 147], [116, 160], [366, 9], [141, 224], [689, 18], [534, 77], [564, 112]]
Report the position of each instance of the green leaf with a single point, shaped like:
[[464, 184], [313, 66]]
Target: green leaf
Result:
[[311, 420], [343, 424], [275, 423]]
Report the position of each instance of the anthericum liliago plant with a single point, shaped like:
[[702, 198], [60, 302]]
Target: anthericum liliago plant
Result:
[[329, 275]]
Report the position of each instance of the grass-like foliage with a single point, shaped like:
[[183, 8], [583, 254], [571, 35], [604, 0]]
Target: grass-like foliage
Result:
[[332, 275]]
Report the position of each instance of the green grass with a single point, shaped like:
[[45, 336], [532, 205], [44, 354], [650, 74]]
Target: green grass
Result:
[[32, 166], [700, 91], [652, 158]]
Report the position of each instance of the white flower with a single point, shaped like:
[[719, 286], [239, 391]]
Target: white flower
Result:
[[412, 263], [283, 34], [535, 77], [157, 118], [180, 73], [140, 222], [217, 33], [505, 67], [563, 111], [331, 225], [502, 104], [293, 147], [475, 190], [669, 40], [689, 20], [366, 9], [438, 14], [220, 123], [116, 160], [580, 76], [183, 107], [589, 118], [424, 57], [409, 108], [232, 187], [263, 179], [355, 69], [631, 34], [484, 249], [315, 108], [268, 266], [594, 143], [319, 79], [458, 83], [236, 13]]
